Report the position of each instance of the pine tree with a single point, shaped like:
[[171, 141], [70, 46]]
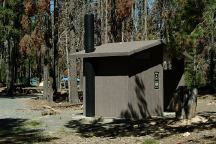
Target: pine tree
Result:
[[183, 30], [38, 41], [10, 34]]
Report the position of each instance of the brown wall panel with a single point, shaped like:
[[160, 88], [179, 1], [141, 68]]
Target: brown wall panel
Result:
[[111, 95]]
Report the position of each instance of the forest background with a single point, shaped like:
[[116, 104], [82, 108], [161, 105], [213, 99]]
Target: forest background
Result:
[[38, 36]]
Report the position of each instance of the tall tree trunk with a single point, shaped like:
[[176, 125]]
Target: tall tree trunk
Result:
[[212, 55], [73, 96], [47, 47], [68, 66], [212, 67], [29, 71], [146, 30], [161, 5], [8, 66], [39, 64], [55, 41], [48, 81], [15, 59], [131, 29], [11, 58], [76, 41], [123, 28], [114, 25], [106, 22], [45, 85], [11, 72]]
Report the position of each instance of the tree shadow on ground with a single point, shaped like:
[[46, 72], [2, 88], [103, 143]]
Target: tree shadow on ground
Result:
[[155, 127], [13, 131], [160, 127]]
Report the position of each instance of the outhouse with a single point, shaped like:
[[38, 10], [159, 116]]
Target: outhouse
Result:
[[125, 80]]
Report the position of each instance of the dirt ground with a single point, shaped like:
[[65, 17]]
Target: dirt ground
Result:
[[30, 120]]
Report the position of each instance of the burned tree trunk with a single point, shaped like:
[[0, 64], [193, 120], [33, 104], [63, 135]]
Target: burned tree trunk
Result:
[[184, 102]]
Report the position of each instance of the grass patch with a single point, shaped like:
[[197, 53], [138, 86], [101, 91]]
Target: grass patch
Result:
[[32, 124], [150, 141], [62, 130]]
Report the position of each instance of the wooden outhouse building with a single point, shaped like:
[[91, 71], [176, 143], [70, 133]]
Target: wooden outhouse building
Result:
[[126, 80]]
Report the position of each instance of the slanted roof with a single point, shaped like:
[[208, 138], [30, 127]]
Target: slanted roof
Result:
[[119, 49]]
